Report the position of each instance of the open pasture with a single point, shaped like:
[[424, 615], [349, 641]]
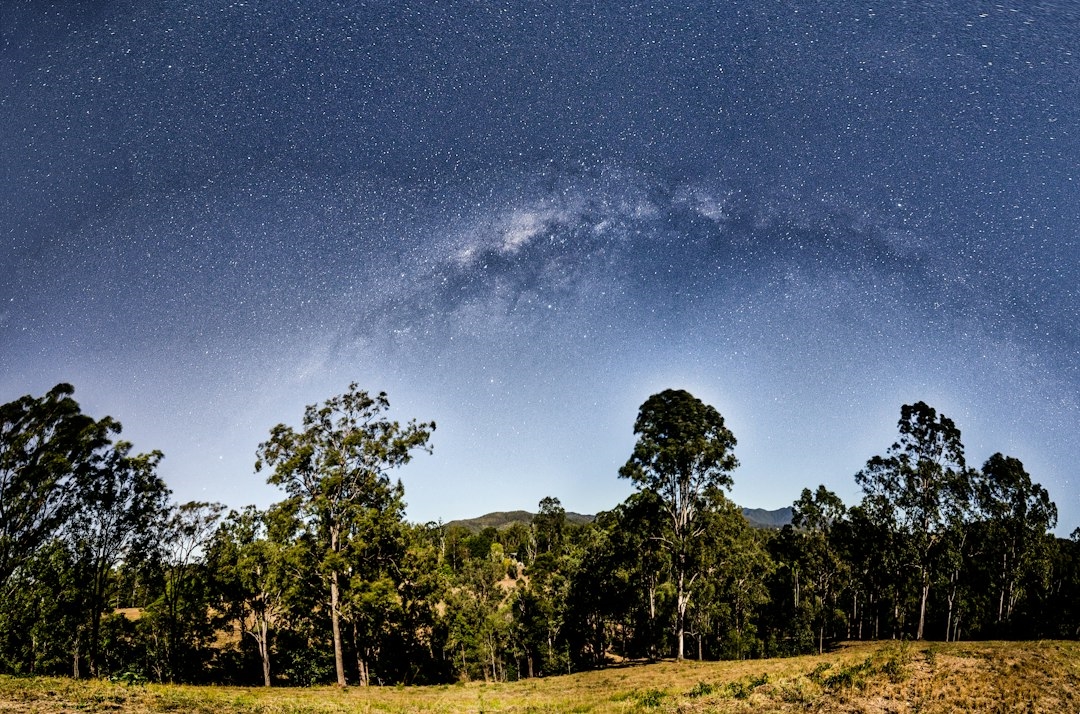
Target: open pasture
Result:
[[865, 677]]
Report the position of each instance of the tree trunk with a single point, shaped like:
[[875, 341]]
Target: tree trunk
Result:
[[652, 618], [361, 664], [682, 598], [1010, 600], [101, 576], [922, 605], [1004, 579], [335, 624], [362, 672], [264, 650], [854, 611], [954, 580]]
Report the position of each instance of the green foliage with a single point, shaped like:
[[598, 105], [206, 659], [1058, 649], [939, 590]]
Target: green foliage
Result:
[[75, 506], [743, 688], [701, 689], [892, 662], [49, 453], [920, 489], [897, 660], [41, 614], [651, 698], [130, 677], [549, 525], [177, 624], [683, 451], [123, 584], [683, 456], [335, 471], [1017, 515]]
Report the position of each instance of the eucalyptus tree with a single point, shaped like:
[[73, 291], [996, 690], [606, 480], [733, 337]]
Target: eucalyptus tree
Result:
[[479, 618], [1061, 604], [335, 469], [178, 623], [539, 609], [684, 455], [598, 595], [814, 515], [915, 488], [120, 516], [373, 558], [876, 556], [252, 573], [539, 603], [642, 562], [727, 597], [1019, 514], [49, 452], [422, 582], [41, 613], [549, 524]]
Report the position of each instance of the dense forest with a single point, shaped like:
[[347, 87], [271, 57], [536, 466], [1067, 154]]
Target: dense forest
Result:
[[102, 575]]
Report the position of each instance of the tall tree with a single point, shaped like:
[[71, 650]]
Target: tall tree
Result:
[[734, 565], [49, 451], [684, 455], [916, 485], [645, 561], [549, 524], [250, 570], [336, 468], [1019, 513], [814, 515], [120, 512], [371, 603], [178, 622]]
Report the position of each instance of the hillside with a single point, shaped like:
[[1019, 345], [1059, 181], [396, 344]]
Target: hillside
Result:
[[762, 518], [873, 678], [503, 519], [758, 517]]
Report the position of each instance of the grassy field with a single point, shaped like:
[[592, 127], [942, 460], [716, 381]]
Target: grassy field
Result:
[[982, 677]]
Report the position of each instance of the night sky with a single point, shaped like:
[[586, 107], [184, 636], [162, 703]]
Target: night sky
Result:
[[522, 219]]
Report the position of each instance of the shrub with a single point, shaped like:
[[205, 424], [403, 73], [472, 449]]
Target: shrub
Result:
[[651, 698], [701, 689]]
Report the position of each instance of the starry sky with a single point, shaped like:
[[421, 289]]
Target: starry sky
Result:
[[520, 219]]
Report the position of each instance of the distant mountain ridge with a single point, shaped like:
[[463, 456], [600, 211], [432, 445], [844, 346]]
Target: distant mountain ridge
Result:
[[758, 518], [764, 518]]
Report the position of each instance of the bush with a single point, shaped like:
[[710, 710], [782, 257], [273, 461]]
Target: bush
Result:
[[743, 689], [701, 689], [651, 698]]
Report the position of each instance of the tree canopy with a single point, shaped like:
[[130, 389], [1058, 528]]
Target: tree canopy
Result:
[[684, 456], [104, 576], [336, 471]]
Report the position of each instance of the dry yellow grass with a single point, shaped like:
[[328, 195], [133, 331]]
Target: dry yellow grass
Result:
[[871, 678]]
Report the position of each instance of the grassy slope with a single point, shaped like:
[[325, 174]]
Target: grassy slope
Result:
[[984, 676]]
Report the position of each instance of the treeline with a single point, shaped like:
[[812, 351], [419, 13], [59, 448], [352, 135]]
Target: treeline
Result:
[[102, 575]]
